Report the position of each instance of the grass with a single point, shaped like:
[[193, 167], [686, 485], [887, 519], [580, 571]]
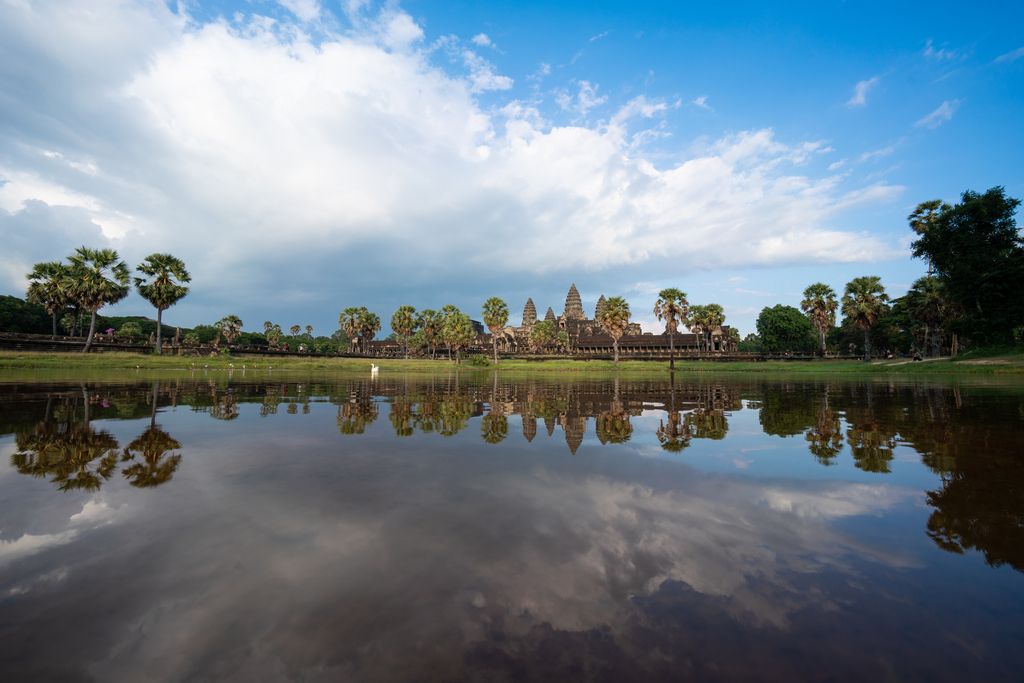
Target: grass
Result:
[[1001, 361]]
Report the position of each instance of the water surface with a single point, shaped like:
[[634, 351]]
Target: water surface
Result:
[[472, 526]]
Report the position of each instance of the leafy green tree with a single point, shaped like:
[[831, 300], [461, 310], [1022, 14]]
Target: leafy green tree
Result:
[[562, 340], [24, 317], [543, 335], [295, 329], [99, 278], [751, 342], [403, 322], [458, 334], [673, 308], [820, 306], [925, 216], [164, 289], [784, 328], [130, 330], [49, 286], [928, 304], [494, 428], [495, 317], [447, 312], [863, 303], [229, 326], [703, 321], [614, 319], [978, 253]]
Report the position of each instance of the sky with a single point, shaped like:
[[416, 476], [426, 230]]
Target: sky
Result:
[[304, 156]]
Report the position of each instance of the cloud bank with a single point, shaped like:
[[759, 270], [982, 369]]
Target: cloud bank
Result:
[[256, 148]]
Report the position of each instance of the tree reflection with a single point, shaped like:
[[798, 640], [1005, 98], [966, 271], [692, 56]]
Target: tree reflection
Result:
[[826, 436], [147, 453], [676, 436], [74, 458], [494, 428], [356, 415]]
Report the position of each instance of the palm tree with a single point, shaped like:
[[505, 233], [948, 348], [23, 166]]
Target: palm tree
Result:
[[99, 277], [863, 303], [369, 326], [348, 321], [458, 334], [165, 289], [927, 304], [614, 319], [673, 308], [229, 326], [820, 306], [695, 324], [48, 287], [295, 329], [704, 320], [403, 322], [448, 311], [309, 331], [924, 216], [495, 317], [429, 321]]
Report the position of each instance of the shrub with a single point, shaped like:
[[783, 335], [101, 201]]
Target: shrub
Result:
[[479, 360], [130, 330]]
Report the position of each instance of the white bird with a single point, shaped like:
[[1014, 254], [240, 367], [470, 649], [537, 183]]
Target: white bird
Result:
[[231, 364], [373, 369]]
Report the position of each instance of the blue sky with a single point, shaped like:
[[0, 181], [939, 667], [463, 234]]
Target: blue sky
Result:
[[304, 156]]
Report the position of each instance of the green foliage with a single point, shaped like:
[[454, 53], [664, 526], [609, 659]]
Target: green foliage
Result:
[[130, 330], [190, 338], [978, 253], [229, 326], [544, 334], [784, 328], [673, 308], [479, 360], [751, 342], [23, 317], [820, 306]]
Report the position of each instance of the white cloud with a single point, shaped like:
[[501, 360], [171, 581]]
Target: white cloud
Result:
[[481, 39], [306, 10], [702, 102], [1011, 56], [600, 35], [939, 116], [242, 148], [835, 166], [943, 53], [878, 153], [860, 92]]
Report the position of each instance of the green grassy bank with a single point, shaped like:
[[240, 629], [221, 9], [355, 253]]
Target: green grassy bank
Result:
[[973, 363]]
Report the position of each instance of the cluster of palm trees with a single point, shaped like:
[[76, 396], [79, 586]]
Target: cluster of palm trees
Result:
[[94, 278], [864, 302], [701, 319], [448, 327]]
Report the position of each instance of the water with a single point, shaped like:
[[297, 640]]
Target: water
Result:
[[248, 527]]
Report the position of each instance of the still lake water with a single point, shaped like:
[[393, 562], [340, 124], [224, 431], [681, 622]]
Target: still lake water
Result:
[[210, 526]]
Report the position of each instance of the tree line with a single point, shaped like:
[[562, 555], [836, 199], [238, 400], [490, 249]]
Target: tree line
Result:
[[970, 297]]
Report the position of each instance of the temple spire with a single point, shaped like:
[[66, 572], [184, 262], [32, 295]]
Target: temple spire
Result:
[[574, 305], [600, 307], [529, 313], [550, 315]]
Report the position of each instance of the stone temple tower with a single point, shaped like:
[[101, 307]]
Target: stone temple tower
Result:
[[550, 315], [529, 313], [573, 305], [600, 307]]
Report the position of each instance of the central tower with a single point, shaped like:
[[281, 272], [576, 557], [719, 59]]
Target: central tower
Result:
[[574, 305]]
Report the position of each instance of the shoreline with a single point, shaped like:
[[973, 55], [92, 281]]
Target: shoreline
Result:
[[1006, 364]]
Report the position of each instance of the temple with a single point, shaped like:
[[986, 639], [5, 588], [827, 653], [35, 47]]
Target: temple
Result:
[[587, 337]]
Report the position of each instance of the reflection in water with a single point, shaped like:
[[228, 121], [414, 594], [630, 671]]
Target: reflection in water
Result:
[[407, 557]]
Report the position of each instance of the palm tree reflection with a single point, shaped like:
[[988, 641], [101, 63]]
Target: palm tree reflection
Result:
[[151, 469]]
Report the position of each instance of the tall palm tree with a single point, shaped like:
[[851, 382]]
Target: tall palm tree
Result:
[[369, 326], [924, 216], [309, 331], [614, 319], [429, 321], [49, 287], [673, 308], [229, 326], [863, 303], [458, 334], [349, 321], [820, 306], [295, 329], [927, 304], [99, 277], [448, 311], [495, 317], [704, 320], [695, 323], [403, 322], [165, 288]]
